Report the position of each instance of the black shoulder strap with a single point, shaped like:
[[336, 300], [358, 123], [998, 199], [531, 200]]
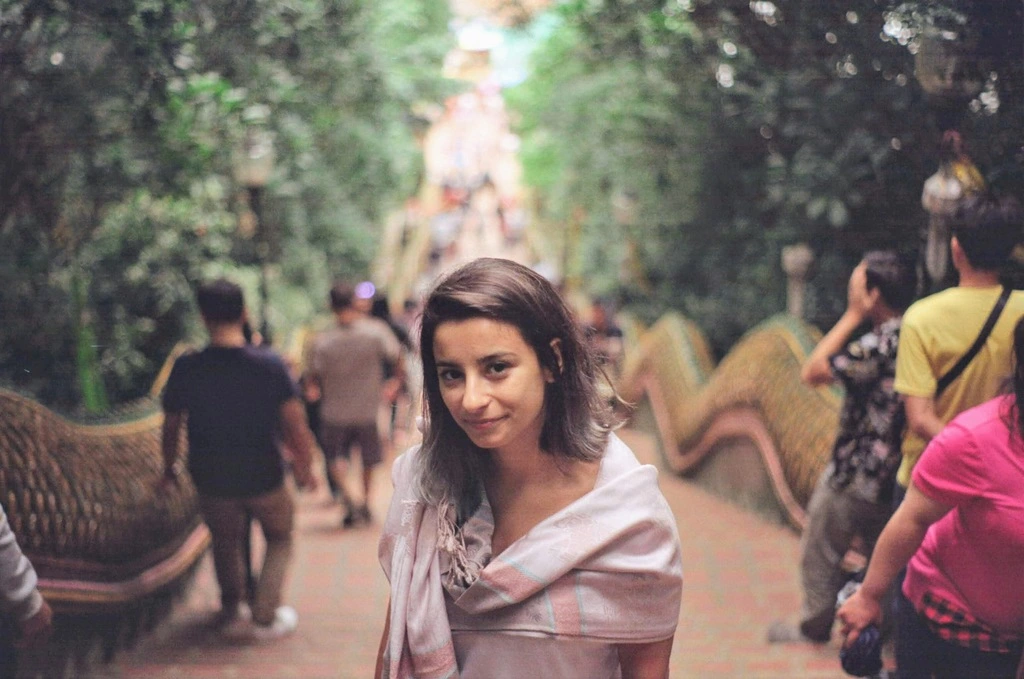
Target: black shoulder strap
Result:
[[986, 330]]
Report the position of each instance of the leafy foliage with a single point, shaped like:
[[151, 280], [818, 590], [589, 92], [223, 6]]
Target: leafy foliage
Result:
[[121, 119], [739, 127]]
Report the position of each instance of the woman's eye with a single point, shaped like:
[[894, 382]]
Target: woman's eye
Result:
[[498, 368], [448, 376]]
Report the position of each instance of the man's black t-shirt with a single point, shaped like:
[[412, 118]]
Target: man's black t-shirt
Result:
[[232, 396]]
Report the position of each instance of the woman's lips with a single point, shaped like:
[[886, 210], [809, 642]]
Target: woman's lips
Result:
[[482, 425]]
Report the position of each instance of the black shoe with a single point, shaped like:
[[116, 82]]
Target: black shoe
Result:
[[363, 514], [781, 632], [350, 518]]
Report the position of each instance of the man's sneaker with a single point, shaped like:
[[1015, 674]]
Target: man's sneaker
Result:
[[286, 620], [782, 632]]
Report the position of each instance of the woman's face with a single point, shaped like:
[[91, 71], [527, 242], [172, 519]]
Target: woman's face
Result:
[[492, 383]]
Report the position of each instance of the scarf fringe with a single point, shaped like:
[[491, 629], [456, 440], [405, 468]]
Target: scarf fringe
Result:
[[462, 572]]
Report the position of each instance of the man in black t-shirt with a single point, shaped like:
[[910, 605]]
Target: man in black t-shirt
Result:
[[237, 401]]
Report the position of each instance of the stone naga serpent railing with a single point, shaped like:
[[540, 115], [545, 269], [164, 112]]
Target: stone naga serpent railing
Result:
[[754, 394], [83, 501]]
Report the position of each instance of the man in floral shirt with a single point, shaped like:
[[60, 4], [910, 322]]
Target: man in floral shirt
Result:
[[854, 494]]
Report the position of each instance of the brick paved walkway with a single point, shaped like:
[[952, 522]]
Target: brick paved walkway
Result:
[[740, 573]]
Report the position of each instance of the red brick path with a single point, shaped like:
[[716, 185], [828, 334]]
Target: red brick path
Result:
[[740, 573]]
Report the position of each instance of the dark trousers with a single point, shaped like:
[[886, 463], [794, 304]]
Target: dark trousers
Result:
[[313, 417], [922, 655], [8, 656]]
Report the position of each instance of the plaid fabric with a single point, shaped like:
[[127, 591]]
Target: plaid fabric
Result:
[[959, 627]]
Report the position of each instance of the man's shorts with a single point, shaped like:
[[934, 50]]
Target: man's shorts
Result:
[[337, 441]]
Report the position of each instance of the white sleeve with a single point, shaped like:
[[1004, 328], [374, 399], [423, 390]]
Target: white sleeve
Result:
[[18, 594]]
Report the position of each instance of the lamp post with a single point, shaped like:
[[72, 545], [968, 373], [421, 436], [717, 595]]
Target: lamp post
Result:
[[253, 165]]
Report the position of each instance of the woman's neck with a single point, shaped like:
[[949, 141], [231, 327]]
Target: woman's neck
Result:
[[514, 468]]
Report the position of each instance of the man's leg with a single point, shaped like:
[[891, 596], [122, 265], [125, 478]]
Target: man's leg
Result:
[[338, 469], [276, 512], [227, 521], [371, 450], [313, 418], [336, 443], [829, 533]]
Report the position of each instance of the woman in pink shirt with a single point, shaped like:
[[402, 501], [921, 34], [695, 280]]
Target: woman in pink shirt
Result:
[[961, 528]]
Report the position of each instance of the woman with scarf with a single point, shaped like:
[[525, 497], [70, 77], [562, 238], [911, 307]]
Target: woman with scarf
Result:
[[961, 528], [524, 539]]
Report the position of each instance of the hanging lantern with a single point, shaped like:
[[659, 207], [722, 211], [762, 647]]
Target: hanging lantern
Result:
[[947, 66], [956, 179]]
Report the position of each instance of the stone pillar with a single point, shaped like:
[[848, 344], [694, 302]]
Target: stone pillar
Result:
[[796, 262]]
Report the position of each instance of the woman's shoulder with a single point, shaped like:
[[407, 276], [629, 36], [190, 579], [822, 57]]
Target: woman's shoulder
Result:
[[974, 438], [992, 413], [405, 468], [618, 459], [635, 483]]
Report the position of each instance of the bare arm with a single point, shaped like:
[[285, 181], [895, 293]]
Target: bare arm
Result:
[[37, 628], [921, 417], [860, 301], [169, 443], [400, 368], [378, 672], [19, 595], [311, 389], [899, 540], [816, 370], [645, 661], [299, 440]]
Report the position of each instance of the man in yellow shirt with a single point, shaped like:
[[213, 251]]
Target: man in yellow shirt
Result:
[[939, 329]]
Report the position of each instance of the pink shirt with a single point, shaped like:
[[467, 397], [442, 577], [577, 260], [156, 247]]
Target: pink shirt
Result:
[[974, 555]]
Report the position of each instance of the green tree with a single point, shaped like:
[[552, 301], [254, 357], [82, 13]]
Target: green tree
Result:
[[120, 122], [740, 127]]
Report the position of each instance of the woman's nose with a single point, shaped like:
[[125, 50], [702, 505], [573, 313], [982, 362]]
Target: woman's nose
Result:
[[477, 393]]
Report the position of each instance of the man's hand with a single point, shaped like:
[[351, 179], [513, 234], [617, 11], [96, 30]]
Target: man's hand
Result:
[[859, 299], [171, 478], [169, 438], [310, 389], [304, 477], [36, 629], [390, 389], [299, 440]]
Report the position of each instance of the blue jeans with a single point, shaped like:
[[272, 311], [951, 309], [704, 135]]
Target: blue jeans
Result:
[[922, 655]]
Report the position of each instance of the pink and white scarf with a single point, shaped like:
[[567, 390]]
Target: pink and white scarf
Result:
[[607, 567]]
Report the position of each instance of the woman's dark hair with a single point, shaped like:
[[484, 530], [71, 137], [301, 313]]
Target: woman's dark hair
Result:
[[1016, 425], [893, 275], [576, 418]]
